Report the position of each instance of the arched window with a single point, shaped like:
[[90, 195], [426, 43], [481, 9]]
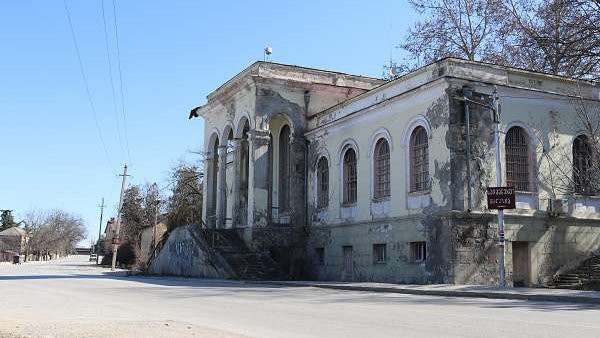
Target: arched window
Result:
[[381, 166], [284, 169], [419, 160], [582, 156], [322, 183], [517, 159], [350, 176]]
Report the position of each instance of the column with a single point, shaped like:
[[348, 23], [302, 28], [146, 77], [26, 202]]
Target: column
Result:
[[260, 166], [207, 207], [237, 162], [222, 187], [298, 179]]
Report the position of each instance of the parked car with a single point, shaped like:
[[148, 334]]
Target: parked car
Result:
[[93, 257]]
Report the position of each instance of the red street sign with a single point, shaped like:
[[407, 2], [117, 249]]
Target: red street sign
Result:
[[501, 198]]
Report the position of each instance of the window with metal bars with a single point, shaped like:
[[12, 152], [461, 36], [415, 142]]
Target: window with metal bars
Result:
[[322, 183], [517, 159], [419, 160], [582, 158], [350, 176], [381, 167]]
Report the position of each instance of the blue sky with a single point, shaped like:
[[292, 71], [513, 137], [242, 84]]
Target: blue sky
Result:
[[173, 53]]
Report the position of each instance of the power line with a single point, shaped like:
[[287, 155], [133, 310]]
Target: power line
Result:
[[110, 73], [87, 87], [121, 80]]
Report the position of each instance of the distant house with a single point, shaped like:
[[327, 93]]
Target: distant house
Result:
[[150, 237], [12, 243], [109, 234]]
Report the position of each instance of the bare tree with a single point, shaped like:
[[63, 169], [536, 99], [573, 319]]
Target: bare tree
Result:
[[571, 168], [560, 37], [54, 232], [460, 28], [185, 202]]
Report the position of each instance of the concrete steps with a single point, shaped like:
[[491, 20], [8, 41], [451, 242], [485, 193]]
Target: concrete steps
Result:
[[586, 276], [247, 264]]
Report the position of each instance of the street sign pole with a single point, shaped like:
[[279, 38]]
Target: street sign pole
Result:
[[501, 243]]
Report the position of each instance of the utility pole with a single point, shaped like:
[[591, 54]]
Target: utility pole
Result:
[[116, 239], [99, 231], [501, 242]]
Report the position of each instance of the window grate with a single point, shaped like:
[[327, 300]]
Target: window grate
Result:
[[322, 183], [582, 163], [382, 169], [419, 160], [418, 252], [379, 253], [350, 177], [517, 159]]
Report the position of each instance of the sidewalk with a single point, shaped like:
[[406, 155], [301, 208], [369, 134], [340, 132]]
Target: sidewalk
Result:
[[450, 290]]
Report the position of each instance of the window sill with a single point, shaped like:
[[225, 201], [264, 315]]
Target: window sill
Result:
[[380, 263], [419, 193], [380, 199], [348, 205]]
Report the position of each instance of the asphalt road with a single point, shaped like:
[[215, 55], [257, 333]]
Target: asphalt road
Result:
[[73, 298]]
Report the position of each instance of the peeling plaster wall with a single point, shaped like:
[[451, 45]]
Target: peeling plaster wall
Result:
[[329, 109], [405, 220], [554, 242]]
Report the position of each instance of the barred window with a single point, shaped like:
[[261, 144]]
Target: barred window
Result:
[[350, 176], [517, 159], [418, 252], [379, 253], [419, 160], [381, 167], [582, 157], [322, 183]]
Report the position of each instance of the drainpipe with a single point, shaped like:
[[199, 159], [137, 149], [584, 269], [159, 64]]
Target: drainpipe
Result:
[[467, 93]]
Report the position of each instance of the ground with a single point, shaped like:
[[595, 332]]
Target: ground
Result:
[[73, 298]]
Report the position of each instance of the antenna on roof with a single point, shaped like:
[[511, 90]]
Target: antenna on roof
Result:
[[268, 51]]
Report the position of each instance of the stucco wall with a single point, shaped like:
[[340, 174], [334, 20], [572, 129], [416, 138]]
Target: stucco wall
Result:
[[185, 254]]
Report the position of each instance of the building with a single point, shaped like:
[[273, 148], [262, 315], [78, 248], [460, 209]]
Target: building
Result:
[[344, 177], [150, 236], [13, 242], [109, 234]]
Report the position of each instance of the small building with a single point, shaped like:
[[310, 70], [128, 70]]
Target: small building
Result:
[[109, 234], [13, 242], [345, 177], [150, 237]]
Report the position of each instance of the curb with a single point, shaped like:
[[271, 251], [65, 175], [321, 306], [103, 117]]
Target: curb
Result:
[[445, 293]]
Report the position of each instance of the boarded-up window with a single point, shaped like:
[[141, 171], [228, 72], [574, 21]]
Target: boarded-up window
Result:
[[284, 169], [517, 159], [419, 160], [350, 176], [322, 183], [582, 157], [382, 169]]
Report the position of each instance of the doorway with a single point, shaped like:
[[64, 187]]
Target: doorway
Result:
[[521, 264], [348, 263]]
